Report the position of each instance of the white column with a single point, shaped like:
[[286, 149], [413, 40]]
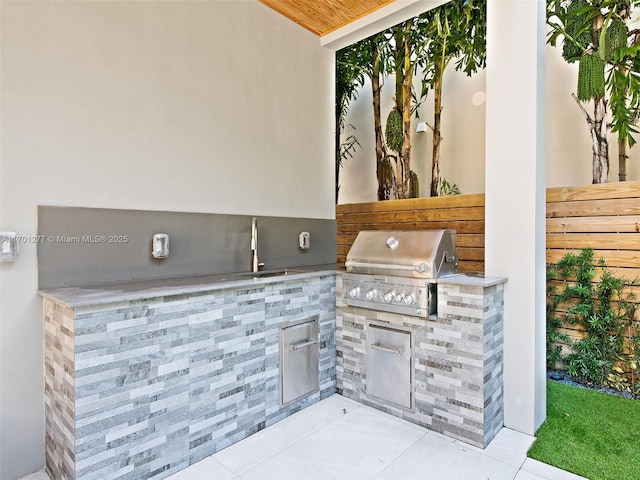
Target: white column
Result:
[[515, 198]]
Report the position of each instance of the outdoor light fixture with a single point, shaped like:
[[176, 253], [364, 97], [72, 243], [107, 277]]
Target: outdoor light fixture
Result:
[[160, 245]]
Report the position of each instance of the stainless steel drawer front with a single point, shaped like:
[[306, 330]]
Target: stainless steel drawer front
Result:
[[389, 365], [299, 360]]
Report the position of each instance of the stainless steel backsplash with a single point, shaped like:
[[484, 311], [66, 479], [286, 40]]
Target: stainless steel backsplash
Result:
[[85, 246]]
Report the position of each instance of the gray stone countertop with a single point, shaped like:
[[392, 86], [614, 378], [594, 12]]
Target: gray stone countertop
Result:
[[471, 279], [84, 296]]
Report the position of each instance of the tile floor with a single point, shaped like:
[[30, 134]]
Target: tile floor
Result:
[[341, 439]]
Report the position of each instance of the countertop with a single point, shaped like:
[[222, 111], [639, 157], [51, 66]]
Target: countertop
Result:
[[471, 279], [84, 296]]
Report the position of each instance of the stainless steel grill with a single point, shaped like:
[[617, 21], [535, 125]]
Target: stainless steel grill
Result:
[[396, 271]]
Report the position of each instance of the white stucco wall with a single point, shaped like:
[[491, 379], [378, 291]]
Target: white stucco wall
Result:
[[215, 106], [568, 147]]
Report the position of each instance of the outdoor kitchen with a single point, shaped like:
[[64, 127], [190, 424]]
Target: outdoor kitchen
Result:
[[212, 359]]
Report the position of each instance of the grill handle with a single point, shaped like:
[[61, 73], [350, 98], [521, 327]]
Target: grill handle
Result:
[[303, 344], [375, 346], [418, 268]]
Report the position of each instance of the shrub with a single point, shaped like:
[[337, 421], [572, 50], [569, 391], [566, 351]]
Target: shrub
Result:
[[603, 308]]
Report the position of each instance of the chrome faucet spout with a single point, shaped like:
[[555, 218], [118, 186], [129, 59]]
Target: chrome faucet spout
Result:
[[255, 264]]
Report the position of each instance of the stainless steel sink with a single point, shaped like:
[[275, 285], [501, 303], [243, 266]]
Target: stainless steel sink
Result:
[[271, 273]]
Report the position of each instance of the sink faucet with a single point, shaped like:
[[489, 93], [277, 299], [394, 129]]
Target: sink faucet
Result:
[[255, 265]]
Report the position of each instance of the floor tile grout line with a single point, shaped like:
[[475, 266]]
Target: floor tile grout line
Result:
[[491, 457], [400, 420], [280, 450], [377, 475]]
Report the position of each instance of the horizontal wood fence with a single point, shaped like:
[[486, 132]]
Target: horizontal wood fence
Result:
[[604, 217]]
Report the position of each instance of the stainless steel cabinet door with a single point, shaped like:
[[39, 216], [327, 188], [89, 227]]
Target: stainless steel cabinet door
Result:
[[389, 365], [299, 360]]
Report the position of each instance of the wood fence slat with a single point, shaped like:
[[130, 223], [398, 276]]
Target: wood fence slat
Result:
[[608, 224], [467, 253], [460, 226], [560, 284], [470, 266], [593, 208], [412, 216], [594, 192], [629, 274], [458, 201], [613, 258], [597, 241]]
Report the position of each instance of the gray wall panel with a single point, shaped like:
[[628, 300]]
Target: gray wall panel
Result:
[[84, 246]]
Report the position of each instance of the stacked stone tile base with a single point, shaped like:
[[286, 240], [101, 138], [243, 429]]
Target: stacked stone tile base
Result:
[[142, 389], [456, 366]]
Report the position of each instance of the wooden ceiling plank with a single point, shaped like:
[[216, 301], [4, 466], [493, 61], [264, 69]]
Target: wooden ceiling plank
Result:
[[324, 16]]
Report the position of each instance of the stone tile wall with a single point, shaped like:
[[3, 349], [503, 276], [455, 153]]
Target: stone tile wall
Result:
[[457, 361], [143, 389]]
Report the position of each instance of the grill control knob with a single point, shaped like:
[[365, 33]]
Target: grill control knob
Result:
[[399, 297], [371, 294], [389, 296], [354, 292], [409, 299]]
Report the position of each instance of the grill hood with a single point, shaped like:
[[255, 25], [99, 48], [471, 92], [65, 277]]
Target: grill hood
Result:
[[407, 253]]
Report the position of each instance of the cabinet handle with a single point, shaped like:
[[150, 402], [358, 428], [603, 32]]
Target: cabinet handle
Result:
[[385, 349], [299, 345]]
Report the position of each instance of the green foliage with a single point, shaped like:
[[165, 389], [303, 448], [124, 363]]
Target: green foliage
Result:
[[456, 31], [600, 27], [555, 339], [578, 35], [351, 65], [348, 147], [350, 72], [589, 433], [602, 308], [623, 84], [445, 188], [590, 77], [615, 38], [394, 131]]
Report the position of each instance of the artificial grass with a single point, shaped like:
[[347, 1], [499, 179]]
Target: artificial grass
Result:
[[589, 433]]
